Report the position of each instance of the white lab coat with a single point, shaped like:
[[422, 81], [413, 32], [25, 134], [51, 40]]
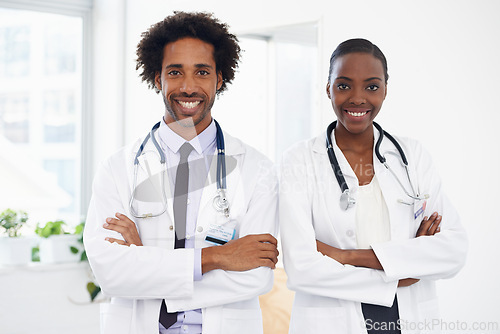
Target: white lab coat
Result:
[[138, 278], [328, 294]]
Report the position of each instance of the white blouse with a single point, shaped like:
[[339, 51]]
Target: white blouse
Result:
[[372, 217]]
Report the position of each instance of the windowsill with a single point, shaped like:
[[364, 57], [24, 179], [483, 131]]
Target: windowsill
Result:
[[40, 267]]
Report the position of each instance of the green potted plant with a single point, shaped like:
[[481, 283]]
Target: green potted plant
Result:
[[14, 248], [57, 245]]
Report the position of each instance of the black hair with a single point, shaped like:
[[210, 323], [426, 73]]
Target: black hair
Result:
[[358, 45], [203, 26]]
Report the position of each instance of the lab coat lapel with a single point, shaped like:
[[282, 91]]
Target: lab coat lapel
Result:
[[391, 189], [340, 223], [233, 151]]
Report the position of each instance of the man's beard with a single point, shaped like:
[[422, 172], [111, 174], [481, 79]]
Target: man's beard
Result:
[[191, 121]]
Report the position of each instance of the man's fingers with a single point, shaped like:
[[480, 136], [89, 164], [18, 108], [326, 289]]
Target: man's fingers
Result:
[[118, 241], [269, 255], [267, 246], [116, 227], [264, 238], [123, 218], [267, 263]]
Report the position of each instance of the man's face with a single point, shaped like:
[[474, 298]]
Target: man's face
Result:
[[188, 82]]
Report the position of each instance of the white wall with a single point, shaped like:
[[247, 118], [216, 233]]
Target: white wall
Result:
[[443, 90]]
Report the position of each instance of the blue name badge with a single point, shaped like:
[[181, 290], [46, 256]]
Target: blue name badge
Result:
[[219, 235], [419, 208]]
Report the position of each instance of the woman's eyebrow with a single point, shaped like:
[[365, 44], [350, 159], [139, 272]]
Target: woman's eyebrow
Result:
[[343, 78]]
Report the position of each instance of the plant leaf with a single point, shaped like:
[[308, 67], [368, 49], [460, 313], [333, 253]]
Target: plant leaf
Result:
[[93, 290], [35, 254]]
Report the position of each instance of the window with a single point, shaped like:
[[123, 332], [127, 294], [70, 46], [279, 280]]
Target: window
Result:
[[275, 90], [41, 94]]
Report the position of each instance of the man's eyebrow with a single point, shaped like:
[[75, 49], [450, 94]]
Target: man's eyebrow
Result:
[[181, 66], [343, 78], [203, 65], [373, 78]]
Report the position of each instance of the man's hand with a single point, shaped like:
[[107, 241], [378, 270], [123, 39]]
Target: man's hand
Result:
[[429, 226], [123, 225], [248, 252], [407, 282]]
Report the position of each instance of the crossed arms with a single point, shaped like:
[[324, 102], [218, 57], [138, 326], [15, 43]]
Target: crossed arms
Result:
[[248, 252]]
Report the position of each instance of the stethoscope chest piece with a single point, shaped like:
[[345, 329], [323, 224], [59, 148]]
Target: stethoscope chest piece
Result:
[[346, 201], [220, 202]]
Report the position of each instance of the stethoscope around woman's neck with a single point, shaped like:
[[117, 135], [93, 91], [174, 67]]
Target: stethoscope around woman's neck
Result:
[[346, 200], [220, 201]]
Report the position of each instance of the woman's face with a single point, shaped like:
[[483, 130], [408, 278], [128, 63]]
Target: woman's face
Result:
[[357, 90]]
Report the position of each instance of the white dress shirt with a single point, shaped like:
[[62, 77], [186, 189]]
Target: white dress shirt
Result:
[[199, 160]]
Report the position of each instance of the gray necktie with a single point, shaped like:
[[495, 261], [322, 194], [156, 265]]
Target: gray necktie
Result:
[[180, 208]]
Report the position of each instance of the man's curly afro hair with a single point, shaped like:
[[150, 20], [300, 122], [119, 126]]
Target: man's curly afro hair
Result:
[[203, 26]]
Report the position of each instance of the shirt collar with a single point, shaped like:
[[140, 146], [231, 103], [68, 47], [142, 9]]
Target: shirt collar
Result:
[[173, 141]]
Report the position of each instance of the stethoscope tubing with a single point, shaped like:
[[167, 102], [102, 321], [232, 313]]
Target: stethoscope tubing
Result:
[[220, 201], [346, 200]]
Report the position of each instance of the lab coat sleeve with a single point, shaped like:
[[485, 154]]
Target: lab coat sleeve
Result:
[[428, 257], [219, 287], [307, 269], [130, 272]]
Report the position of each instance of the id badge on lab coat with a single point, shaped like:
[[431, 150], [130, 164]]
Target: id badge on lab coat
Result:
[[220, 234], [419, 208]]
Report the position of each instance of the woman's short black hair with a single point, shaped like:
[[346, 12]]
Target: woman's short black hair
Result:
[[203, 26], [358, 45]]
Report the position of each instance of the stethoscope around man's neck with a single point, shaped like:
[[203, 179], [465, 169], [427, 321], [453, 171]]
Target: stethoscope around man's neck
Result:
[[346, 200], [220, 201]]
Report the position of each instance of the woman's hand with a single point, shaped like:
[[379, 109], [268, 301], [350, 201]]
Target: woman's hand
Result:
[[429, 226], [355, 257], [335, 253]]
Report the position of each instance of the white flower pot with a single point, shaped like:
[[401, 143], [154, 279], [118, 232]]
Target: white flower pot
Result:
[[15, 251], [57, 248]]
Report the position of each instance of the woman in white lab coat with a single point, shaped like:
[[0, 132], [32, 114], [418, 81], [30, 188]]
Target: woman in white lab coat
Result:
[[371, 267]]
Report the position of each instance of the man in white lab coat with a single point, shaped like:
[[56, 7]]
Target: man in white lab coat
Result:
[[202, 272]]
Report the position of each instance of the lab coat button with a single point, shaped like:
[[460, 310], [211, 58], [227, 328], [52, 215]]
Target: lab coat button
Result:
[[171, 227], [200, 229], [188, 201], [185, 327], [350, 233], [188, 237]]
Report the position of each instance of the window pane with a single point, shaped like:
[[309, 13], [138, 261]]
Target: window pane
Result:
[[14, 49], [40, 112]]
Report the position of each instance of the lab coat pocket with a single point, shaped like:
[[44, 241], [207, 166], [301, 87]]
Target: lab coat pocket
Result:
[[428, 311], [115, 318], [241, 321], [318, 320]]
